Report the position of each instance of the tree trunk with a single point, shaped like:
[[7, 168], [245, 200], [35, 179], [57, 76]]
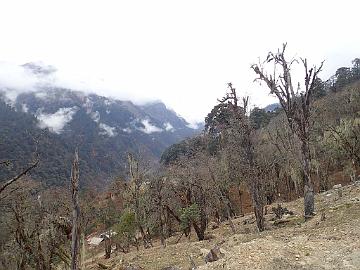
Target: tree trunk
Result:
[[259, 215], [76, 214], [241, 203], [258, 201], [146, 242], [161, 228], [308, 200], [82, 251], [231, 223], [309, 203], [107, 248], [148, 236], [200, 231]]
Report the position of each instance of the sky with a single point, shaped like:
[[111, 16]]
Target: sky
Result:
[[181, 52]]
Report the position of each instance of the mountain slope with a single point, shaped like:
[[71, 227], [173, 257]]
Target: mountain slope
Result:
[[103, 129]]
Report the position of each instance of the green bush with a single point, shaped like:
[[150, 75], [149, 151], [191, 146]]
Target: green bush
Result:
[[126, 231], [189, 214]]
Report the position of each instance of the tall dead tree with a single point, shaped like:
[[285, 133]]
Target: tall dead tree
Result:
[[75, 233], [244, 136], [296, 104]]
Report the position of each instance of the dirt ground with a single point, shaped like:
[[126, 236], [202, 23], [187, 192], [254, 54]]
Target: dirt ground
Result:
[[333, 243]]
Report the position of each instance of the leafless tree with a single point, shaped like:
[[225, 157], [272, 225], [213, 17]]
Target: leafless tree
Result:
[[243, 142], [296, 104]]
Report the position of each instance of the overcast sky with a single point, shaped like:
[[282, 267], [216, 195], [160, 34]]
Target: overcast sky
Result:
[[181, 52]]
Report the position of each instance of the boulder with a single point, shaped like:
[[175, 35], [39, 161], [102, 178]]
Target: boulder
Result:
[[214, 255]]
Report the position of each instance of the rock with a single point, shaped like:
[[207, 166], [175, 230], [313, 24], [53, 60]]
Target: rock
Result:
[[214, 255], [337, 186]]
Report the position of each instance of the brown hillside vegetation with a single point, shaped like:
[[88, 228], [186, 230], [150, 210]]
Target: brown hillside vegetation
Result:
[[327, 241]]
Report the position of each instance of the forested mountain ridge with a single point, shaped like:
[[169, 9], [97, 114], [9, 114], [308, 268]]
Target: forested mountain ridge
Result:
[[56, 120]]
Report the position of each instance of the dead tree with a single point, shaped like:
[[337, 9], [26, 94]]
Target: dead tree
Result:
[[297, 107], [242, 129], [75, 233]]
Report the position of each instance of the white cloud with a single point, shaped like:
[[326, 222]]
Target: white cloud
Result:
[[169, 127], [194, 125], [16, 78], [148, 127], [24, 108], [107, 130], [41, 94], [56, 121]]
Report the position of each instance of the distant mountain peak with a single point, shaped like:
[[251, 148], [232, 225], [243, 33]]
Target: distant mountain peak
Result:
[[271, 107], [39, 68]]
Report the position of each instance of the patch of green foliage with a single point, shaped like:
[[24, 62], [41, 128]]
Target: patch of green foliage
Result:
[[189, 214], [126, 229]]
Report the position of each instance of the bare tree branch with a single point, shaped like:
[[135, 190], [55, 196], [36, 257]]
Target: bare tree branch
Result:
[[17, 177]]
